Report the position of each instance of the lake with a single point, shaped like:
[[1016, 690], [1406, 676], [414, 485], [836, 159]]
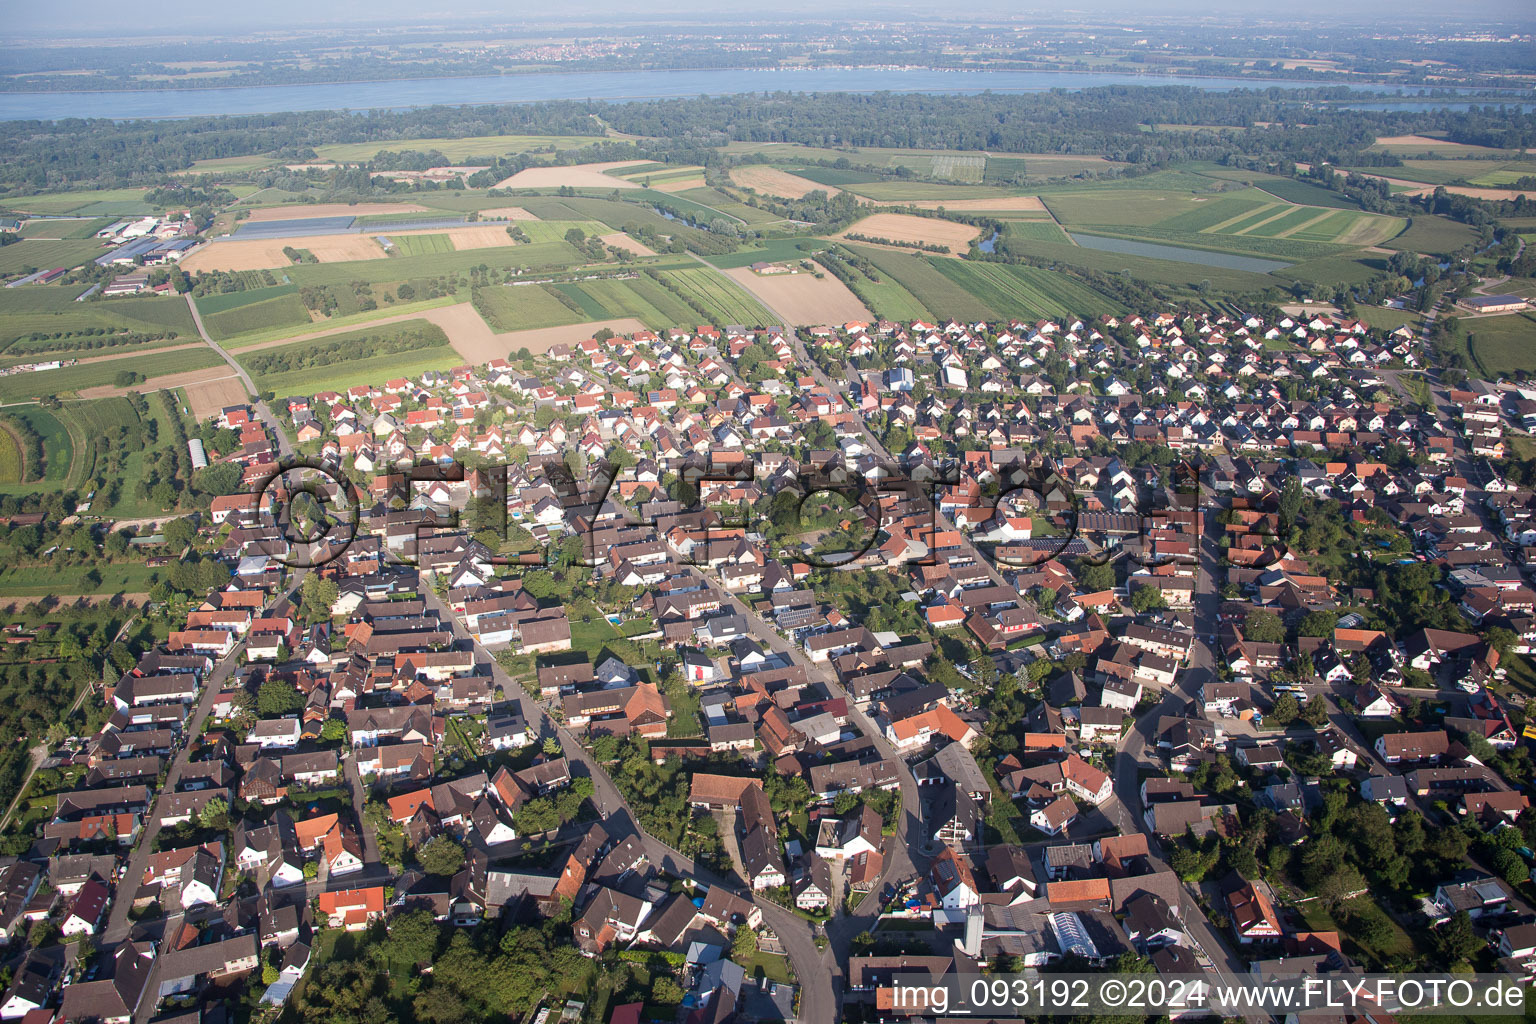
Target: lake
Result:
[[602, 85], [1225, 260]]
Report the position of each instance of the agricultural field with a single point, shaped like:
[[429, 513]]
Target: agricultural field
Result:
[[889, 191], [641, 298], [1023, 291], [281, 310], [72, 227], [27, 255], [714, 293], [1336, 270], [539, 256], [420, 245], [905, 228], [803, 298], [964, 167], [1305, 193], [521, 307], [778, 250], [1430, 234], [774, 182], [1249, 221], [58, 450], [11, 460], [1037, 230], [228, 165], [837, 177], [341, 360], [76, 202], [717, 200], [51, 310], [938, 293], [887, 298], [456, 150], [595, 175], [22, 387], [1501, 345]]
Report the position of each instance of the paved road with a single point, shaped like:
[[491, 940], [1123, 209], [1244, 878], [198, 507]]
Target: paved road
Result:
[[284, 444], [817, 1003]]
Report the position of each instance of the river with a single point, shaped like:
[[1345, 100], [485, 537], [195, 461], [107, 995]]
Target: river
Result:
[[603, 85]]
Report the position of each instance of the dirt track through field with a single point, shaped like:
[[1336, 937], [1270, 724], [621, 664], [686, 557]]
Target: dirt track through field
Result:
[[803, 298], [185, 379], [576, 176]]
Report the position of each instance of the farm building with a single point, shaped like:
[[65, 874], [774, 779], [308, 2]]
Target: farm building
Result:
[[1493, 303]]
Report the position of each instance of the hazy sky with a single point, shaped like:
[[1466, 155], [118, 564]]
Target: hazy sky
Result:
[[94, 17]]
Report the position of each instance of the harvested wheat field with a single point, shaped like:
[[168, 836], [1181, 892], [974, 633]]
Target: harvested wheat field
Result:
[[267, 253], [1487, 194], [620, 240], [507, 213], [900, 227], [207, 398], [803, 299], [774, 182], [1008, 204], [1421, 140], [307, 211], [186, 379], [576, 176]]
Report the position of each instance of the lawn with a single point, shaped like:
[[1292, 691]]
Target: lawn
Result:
[[1393, 944], [720, 296], [48, 580], [1502, 344], [88, 375]]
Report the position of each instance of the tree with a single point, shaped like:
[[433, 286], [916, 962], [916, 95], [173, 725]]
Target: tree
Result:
[[215, 814], [1286, 709], [441, 856], [278, 697], [551, 746], [665, 991], [1263, 627], [1456, 939], [319, 595], [1290, 505], [1093, 578], [1145, 599], [178, 533], [1315, 713], [334, 730], [743, 945]]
